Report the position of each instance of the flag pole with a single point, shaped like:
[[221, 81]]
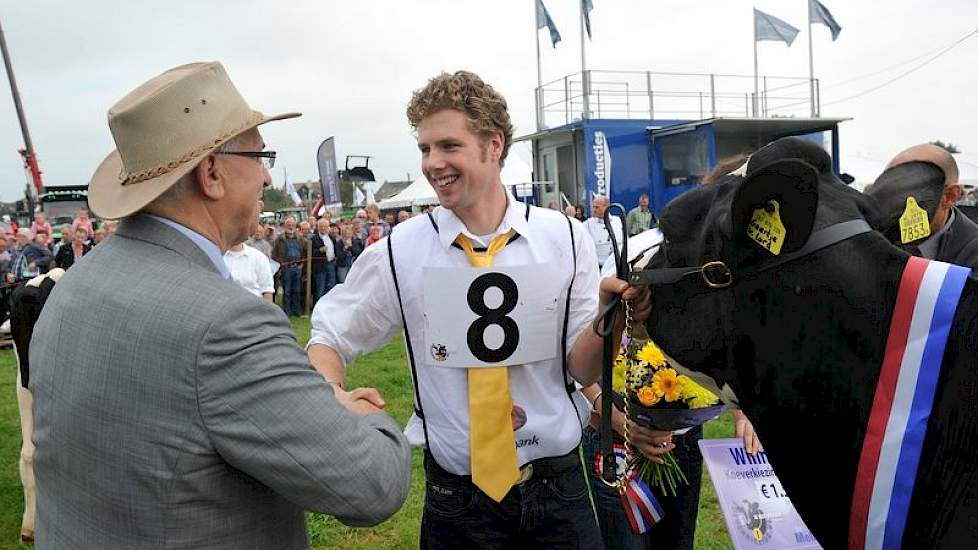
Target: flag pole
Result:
[[811, 64], [539, 94], [754, 103], [585, 87]]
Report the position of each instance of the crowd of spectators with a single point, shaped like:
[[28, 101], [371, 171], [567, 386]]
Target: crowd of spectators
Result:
[[323, 248], [34, 249], [317, 252]]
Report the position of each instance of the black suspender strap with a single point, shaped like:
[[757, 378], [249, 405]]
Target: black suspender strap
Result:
[[407, 338], [568, 385]]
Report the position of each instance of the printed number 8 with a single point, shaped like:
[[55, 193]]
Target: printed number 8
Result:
[[476, 335]]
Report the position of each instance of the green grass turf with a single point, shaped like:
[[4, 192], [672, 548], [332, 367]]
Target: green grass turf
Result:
[[384, 369]]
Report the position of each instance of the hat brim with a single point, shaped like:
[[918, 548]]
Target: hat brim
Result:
[[109, 199]]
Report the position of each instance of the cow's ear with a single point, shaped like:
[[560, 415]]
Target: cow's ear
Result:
[[774, 208]]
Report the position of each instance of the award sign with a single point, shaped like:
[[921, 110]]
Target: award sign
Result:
[[490, 317], [754, 504]]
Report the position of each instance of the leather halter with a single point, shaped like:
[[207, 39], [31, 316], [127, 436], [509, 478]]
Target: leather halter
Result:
[[717, 274]]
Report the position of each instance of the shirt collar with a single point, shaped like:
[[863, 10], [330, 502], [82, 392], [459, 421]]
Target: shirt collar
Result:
[[212, 250], [450, 226]]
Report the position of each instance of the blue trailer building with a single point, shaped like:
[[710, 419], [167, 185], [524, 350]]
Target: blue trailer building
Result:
[[625, 151]]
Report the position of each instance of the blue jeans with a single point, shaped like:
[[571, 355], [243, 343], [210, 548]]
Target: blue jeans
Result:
[[324, 281], [292, 291], [542, 513], [677, 528]]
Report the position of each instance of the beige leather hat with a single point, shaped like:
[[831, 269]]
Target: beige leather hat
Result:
[[162, 130]]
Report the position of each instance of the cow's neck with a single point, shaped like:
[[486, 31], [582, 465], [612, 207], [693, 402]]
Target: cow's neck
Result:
[[807, 382]]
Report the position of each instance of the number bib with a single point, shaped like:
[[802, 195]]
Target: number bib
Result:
[[478, 317]]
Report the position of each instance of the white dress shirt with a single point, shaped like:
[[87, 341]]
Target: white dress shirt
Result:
[[363, 314], [328, 243], [250, 269], [599, 233]]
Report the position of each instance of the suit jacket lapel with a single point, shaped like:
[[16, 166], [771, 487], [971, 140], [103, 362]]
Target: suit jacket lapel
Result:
[[145, 228]]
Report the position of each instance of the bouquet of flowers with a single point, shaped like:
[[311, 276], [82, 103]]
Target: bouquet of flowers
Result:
[[654, 395]]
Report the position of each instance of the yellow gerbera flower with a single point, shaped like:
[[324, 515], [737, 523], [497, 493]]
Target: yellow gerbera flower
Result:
[[666, 383], [651, 354], [647, 396]]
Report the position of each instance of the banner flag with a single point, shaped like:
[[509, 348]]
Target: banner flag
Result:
[[326, 159]]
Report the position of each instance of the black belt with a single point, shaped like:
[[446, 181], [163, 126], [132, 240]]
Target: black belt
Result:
[[539, 468]]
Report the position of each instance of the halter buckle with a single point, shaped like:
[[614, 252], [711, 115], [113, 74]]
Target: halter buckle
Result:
[[716, 274]]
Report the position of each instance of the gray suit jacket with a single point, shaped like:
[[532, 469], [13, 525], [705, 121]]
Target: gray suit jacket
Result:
[[173, 409]]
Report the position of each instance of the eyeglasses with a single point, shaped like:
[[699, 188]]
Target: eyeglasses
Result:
[[266, 158]]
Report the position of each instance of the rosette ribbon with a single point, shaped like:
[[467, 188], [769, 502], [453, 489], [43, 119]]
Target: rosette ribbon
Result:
[[641, 507]]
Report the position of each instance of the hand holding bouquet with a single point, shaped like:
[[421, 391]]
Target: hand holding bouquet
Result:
[[654, 395]]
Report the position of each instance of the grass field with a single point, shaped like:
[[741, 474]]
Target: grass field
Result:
[[385, 370]]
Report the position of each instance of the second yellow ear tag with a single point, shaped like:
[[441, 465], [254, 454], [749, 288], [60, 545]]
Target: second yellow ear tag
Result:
[[914, 224], [766, 228]]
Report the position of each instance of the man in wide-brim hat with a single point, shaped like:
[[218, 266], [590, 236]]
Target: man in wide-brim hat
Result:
[[172, 407]]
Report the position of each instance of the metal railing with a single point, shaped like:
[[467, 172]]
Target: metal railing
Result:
[[654, 95]]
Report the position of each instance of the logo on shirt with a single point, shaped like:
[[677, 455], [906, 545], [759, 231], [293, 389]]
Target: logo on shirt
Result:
[[439, 352]]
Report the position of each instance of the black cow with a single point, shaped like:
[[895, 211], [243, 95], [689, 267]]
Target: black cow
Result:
[[802, 342]]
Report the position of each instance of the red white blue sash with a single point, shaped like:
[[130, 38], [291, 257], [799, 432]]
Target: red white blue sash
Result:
[[925, 306]]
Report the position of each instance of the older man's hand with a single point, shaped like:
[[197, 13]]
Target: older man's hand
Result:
[[360, 401]]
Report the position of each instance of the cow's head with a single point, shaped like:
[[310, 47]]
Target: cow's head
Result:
[[706, 329]]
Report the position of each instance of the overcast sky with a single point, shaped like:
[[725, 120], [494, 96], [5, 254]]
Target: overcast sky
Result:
[[350, 66]]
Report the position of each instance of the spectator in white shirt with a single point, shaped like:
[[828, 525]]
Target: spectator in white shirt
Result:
[[596, 228], [323, 260], [250, 269]]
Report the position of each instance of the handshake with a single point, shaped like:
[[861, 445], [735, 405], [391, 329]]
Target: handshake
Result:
[[360, 401]]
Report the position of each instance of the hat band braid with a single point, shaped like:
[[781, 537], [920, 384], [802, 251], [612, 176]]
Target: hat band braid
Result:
[[157, 171]]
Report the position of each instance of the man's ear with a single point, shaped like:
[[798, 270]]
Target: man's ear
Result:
[[951, 195], [496, 143], [211, 177], [784, 189]]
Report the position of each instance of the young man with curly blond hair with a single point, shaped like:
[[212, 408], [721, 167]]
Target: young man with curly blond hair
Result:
[[494, 298]]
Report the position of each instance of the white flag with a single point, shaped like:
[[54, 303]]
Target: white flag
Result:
[[290, 190]]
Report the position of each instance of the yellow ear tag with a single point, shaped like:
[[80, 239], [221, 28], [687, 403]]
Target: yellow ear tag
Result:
[[766, 228], [914, 224]]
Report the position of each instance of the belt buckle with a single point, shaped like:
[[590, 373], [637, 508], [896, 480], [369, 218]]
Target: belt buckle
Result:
[[526, 474]]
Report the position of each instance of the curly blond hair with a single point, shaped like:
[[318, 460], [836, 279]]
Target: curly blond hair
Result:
[[485, 109]]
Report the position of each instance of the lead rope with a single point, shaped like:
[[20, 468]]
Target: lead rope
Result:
[[609, 474]]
